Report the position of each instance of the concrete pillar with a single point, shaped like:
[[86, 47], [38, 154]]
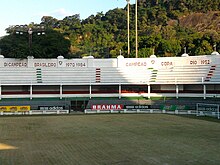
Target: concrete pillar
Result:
[[31, 92], [204, 91], [61, 91], [90, 91], [119, 91], [0, 92], [177, 91], [148, 89]]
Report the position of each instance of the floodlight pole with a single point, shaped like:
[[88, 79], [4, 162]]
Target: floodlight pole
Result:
[[30, 32], [128, 25], [136, 28], [20, 29]]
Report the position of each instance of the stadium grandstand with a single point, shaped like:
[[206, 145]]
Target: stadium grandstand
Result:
[[79, 83]]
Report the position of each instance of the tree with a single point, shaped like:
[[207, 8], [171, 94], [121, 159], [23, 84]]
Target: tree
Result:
[[50, 22], [50, 45], [170, 47]]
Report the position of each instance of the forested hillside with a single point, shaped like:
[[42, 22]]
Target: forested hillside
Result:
[[165, 27]]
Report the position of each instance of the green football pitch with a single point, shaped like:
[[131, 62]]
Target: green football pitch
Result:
[[128, 139]]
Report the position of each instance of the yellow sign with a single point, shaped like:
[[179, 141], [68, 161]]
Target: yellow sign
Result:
[[15, 108], [3, 108]]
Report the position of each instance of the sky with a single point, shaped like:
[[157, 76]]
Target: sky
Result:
[[21, 12]]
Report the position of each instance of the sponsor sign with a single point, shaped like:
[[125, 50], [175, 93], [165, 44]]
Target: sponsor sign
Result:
[[51, 108], [24, 108], [137, 106], [207, 107], [174, 107], [14, 108], [107, 107], [3, 108]]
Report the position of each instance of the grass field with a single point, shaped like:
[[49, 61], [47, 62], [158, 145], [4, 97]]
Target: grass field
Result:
[[148, 139]]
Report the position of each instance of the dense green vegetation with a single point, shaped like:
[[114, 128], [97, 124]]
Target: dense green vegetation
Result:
[[165, 27], [50, 45]]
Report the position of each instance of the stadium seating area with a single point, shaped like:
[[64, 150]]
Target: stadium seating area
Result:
[[111, 77], [174, 75]]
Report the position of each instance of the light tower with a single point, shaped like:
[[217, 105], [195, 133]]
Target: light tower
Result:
[[136, 28], [21, 29], [128, 25]]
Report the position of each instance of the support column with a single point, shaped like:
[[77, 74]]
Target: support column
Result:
[[31, 92], [61, 91], [90, 91], [177, 91], [119, 90], [148, 90], [204, 91], [0, 92]]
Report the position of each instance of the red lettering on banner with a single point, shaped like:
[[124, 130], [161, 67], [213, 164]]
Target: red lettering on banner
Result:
[[77, 64], [167, 63], [205, 62], [15, 64], [193, 62], [107, 107], [201, 62], [44, 64], [136, 63]]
